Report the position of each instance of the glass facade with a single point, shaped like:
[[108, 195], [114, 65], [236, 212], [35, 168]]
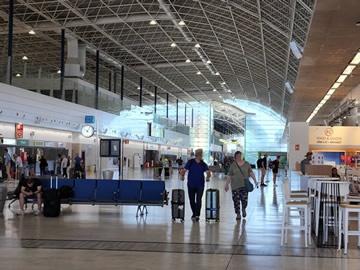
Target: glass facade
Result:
[[264, 129]]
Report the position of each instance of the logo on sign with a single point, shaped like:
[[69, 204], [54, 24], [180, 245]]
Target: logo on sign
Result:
[[328, 132]]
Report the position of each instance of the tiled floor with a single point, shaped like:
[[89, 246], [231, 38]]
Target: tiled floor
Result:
[[109, 237]]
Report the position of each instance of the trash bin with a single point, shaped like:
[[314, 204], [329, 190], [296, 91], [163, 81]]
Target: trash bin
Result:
[[3, 193], [108, 174]]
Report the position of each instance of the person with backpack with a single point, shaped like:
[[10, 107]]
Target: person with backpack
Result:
[[196, 168], [239, 173]]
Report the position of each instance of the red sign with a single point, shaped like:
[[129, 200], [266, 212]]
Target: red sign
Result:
[[19, 131], [297, 147]]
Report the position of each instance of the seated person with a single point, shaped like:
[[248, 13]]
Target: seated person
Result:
[[334, 173], [30, 188]]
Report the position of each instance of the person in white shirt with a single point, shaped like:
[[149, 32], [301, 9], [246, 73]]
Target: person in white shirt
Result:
[[64, 163]]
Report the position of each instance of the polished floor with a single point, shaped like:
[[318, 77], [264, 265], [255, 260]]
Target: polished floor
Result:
[[109, 237]]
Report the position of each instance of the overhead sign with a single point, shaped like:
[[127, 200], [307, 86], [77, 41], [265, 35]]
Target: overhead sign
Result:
[[19, 131], [22, 142], [89, 119], [334, 136]]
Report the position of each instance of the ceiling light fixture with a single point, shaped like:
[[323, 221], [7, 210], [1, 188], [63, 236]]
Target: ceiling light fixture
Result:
[[58, 72], [348, 70], [223, 83], [295, 49], [153, 22], [173, 45], [32, 32], [181, 23], [207, 82], [198, 73], [214, 90], [25, 58], [289, 88], [217, 73], [197, 45], [208, 62], [138, 88], [187, 60], [18, 75]]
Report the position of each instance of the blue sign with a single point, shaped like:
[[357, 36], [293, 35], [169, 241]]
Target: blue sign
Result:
[[89, 119]]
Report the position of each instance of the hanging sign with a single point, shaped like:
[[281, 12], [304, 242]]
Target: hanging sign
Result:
[[19, 131]]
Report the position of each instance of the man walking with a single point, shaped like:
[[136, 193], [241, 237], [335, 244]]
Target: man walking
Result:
[[196, 168]]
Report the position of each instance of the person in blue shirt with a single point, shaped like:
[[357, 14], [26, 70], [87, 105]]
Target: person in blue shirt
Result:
[[196, 168]]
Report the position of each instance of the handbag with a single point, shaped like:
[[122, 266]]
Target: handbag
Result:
[[249, 187]]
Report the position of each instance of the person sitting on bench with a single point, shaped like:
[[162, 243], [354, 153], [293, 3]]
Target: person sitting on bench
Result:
[[30, 188]]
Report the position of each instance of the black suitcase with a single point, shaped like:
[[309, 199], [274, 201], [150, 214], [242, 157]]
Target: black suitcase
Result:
[[52, 206], [178, 204], [212, 211]]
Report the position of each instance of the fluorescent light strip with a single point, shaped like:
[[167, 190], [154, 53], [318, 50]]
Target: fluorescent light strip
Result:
[[347, 71], [341, 78], [356, 59]]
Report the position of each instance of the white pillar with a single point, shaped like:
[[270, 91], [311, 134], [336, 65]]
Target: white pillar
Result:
[[298, 142]]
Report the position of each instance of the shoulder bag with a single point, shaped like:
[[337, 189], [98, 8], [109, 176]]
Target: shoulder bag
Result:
[[248, 186]]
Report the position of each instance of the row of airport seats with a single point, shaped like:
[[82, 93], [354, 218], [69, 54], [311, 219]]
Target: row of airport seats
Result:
[[141, 193]]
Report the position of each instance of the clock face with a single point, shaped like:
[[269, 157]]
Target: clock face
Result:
[[87, 131]]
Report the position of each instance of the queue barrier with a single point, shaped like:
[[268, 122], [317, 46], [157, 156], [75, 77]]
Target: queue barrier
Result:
[[141, 193]]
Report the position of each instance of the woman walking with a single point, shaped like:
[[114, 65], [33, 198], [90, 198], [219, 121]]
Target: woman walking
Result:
[[239, 173]]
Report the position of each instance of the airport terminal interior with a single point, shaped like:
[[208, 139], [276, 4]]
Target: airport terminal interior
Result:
[[179, 134]]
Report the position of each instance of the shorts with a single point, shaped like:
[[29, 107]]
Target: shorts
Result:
[[275, 171]]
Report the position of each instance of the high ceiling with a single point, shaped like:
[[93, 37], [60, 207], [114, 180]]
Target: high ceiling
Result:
[[333, 41], [243, 46]]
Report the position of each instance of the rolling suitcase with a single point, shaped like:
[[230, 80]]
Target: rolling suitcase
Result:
[[178, 204], [212, 211], [52, 205]]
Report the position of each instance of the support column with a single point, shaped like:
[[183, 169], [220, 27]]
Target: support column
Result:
[[141, 92], [110, 80], [177, 111], [97, 79], [9, 68], [192, 117], [167, 105], [185, 116], [115, 82], [155, 99], [122, 84], [62, 64]]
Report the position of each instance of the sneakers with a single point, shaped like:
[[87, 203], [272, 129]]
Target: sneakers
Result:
[[244, 213], [263, 185], [193, 218], [36, 212], [197, 218], [238, 216], [20, 212]]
